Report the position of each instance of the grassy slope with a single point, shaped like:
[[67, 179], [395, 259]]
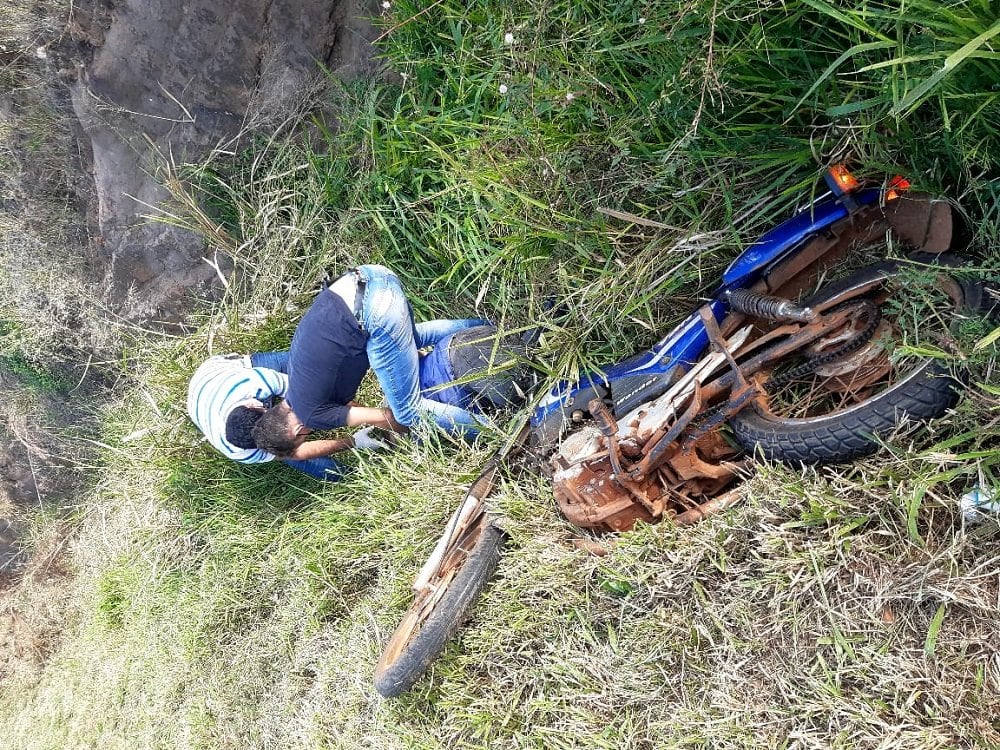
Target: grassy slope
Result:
[[221, 606]]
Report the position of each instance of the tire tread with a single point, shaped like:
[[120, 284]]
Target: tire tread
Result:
[[419, 653]]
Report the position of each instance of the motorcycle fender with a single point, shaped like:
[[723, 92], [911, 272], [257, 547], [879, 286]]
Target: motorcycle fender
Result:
[[921, 221]]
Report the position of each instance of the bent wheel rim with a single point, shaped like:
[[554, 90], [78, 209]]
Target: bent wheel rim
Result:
[[840, 387]]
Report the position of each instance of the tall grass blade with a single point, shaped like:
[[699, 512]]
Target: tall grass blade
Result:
[[951, 63], [855, 50]]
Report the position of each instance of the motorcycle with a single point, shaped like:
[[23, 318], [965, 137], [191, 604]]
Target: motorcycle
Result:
[[795, 357]]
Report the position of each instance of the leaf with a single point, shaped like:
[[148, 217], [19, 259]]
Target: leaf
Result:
[[856, 49], [932, 633], [950, 63], [991, 389], [848, 19], [988, 340], [912, 509], [852, 107], [898, 61], [646, 41]]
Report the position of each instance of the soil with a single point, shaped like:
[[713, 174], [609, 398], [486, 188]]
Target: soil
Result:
[[158, 80]]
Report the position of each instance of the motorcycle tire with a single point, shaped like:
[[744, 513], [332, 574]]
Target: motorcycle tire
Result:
[[411, 650], [926, 390]]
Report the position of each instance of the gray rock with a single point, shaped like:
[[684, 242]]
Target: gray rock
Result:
[[173, 79]]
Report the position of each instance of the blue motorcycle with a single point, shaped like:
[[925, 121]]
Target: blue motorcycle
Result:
[[802, 354]]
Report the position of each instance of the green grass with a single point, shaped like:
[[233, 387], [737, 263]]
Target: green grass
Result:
[[222, 606]]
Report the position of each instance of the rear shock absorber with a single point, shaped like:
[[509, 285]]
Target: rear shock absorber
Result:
[[768, 308]]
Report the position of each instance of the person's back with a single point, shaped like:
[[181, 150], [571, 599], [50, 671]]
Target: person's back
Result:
[[219, 385]]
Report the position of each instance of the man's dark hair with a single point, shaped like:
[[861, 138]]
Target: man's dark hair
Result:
[[239, 427], [272, 432]]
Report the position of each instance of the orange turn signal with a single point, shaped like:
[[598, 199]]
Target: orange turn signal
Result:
[[896, 186], [843, 179]]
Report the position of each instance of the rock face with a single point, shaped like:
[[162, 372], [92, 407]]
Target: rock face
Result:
[[173, 79]]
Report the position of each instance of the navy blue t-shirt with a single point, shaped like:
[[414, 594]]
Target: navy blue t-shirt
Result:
[[326, 363]]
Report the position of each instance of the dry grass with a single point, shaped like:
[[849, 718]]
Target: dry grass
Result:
[[225, 607], [56, 338]]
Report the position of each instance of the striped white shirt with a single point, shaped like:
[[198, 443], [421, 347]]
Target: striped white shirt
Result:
[[217, 387]]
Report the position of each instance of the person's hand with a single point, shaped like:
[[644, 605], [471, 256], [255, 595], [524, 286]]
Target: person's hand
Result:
[[364, 441]]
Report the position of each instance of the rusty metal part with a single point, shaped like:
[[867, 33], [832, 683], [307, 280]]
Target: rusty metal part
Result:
[[839, 345], [712, 420], [591, 498], [862, 368], [648, 419], [710, 507], [921, 222], [619, 472], [718, 343], [596, 486], [708, 457], [616, 474], [667, 458], [609, 428], [590, 546], [662, 442], [790, 338]]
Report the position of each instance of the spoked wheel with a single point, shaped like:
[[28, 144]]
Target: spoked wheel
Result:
[[832, 401], [439, 609], [463, 561]]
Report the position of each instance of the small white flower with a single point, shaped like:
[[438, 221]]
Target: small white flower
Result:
[[508, 38], [386, 5], [503, 88], [570, 96], [41, 53], [642, 21]]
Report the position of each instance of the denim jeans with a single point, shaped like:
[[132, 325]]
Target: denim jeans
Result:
[[393, 341], [323, 468], [277, 361]]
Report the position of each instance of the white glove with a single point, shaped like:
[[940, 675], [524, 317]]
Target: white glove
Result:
[[363, 441]]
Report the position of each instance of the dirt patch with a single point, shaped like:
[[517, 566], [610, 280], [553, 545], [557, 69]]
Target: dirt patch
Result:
[[34, 608], [10, 553]]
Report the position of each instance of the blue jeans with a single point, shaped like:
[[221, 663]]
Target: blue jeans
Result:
[[323, 468], [393, 341], [277, 361]]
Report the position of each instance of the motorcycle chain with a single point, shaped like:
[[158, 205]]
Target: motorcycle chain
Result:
[[850, 347], [716, 415], [711, 418]]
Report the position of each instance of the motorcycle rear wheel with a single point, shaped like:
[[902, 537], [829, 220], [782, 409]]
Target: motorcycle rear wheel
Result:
[[830, 432], [430, 622]]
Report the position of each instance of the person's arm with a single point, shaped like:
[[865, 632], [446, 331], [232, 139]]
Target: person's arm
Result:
[[365, 416], [319, 448]]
